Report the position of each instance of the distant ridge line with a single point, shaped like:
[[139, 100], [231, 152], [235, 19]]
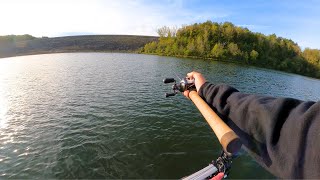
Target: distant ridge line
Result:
[[78, 43]]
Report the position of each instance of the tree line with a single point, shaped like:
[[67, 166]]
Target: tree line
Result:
[[227, 42], [15, 38]]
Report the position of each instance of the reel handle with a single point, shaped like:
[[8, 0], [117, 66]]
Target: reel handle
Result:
[[227, 137], [170, 94], [168, 80]]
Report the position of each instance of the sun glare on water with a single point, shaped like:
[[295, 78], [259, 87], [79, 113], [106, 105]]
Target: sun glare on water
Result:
[[7, 69], [3, 99], [3, 111]]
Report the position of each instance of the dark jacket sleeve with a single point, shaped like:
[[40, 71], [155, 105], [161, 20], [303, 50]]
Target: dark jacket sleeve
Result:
[[282, 134]]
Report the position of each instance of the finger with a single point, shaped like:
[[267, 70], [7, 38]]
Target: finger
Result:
[[190, 75], [186, 93], [194, 74], [218, 176]]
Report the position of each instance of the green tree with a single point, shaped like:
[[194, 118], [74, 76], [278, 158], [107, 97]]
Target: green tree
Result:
[[200, 46], [218, 51], [234, 49], [312, 56], [150, 47], [254, 55], [246, 57]]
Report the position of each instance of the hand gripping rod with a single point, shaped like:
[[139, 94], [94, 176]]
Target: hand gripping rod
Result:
[[227, 137]]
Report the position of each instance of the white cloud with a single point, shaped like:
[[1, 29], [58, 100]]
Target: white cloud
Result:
[[56, 17]]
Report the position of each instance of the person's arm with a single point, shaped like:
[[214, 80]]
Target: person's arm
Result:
[[282, 134]]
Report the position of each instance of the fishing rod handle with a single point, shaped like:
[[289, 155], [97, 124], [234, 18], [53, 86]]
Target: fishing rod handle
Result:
[[227, 137]]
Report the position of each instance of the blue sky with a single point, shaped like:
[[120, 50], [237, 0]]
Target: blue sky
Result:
[[293, 19]]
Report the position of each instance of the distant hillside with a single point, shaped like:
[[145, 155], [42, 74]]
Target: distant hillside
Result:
[[25, 44]]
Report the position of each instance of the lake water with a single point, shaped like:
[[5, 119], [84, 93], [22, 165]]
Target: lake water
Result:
[[104, 115]]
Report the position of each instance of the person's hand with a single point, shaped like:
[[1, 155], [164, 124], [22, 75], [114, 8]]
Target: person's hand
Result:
[[218, 177], [199, 80]]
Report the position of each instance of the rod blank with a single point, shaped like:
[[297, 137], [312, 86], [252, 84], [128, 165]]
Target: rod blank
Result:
[[227, 137]]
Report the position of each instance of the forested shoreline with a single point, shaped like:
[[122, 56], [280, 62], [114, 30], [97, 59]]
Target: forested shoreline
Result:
[[227, 42]]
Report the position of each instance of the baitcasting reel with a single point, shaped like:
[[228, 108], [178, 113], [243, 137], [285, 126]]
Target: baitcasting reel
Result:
[[184, 84], [221, 165]]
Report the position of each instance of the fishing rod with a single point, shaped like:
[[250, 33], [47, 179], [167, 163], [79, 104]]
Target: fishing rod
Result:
[[230, 142]]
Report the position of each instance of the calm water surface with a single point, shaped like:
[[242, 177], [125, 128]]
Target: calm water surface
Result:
[[104, 115]]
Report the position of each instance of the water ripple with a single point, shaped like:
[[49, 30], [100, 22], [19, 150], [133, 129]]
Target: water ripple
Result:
[[104, 115]]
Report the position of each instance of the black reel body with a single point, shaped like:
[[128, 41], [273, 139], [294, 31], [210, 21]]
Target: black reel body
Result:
[[184, 84], [223, 164]]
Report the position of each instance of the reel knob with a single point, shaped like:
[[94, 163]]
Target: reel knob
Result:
[[170, 94], [168, 80]]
